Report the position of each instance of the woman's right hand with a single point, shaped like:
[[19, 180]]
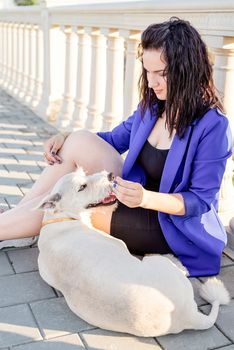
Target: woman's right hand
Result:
[[52, 147]]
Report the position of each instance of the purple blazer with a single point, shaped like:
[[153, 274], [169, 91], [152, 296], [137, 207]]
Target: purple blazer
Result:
[[194, 168]]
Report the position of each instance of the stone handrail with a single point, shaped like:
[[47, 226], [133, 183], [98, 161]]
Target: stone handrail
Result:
[[76, 65]]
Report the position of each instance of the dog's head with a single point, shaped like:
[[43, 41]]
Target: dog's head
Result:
[[76, 192]]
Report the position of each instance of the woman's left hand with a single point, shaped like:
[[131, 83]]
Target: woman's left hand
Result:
[[128, 192]]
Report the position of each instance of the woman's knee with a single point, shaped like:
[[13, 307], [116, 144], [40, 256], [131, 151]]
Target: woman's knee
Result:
[[75, 142], [91, 152]]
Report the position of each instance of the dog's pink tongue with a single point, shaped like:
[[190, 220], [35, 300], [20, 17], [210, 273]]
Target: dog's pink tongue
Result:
[[109, 199]]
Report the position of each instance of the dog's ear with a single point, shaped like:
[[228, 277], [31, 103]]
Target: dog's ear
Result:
[[80, 172], [49, 202]]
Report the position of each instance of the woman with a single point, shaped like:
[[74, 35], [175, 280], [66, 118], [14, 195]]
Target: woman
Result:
[[178, 142]]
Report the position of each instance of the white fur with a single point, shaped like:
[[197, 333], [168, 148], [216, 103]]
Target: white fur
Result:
[[213, 290], [102, 282]]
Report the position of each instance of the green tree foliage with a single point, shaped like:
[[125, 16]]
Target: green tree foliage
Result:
[[26, 2]]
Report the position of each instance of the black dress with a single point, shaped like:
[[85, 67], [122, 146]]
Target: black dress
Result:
[[139, 228]]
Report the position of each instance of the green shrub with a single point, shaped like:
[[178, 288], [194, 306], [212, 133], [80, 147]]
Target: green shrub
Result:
[[26, 2]]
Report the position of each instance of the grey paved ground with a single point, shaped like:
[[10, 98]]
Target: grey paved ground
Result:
[[33, 316]]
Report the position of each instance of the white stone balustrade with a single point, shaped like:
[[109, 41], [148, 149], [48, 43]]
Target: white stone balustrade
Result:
[[96, 83]]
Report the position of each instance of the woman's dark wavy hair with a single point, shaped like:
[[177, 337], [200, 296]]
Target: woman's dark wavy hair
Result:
[[190, 86]]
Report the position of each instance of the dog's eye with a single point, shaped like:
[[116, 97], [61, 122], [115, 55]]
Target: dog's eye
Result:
[[82, 187]]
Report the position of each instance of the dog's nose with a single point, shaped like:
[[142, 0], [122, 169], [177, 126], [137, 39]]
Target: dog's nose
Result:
[[110, 176]]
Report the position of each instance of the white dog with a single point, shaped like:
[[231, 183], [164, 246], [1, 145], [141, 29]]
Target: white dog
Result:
[[101, 281]]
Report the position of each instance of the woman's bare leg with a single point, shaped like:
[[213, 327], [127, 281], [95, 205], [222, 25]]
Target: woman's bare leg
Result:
[[81, 148]]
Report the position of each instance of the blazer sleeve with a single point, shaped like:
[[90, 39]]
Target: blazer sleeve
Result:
[[119, 137], [208, 166]]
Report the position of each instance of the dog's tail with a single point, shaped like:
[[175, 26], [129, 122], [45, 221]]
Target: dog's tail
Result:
[[213, 291]]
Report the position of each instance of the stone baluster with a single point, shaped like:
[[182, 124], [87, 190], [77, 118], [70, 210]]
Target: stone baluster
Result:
[[25, 79], [97, 80], [2, 66], [28, 95], [10, 56], [65, 114], [113, 112], [20, 92], [224, 79], [37, 91], [32, 62], [44, 106], [132, 72], [82, 80], [13, 57], [18, 60], [223, 50], [7, 56]]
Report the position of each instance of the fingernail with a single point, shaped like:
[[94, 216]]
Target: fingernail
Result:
[[53, 153], [114, 183], [50, 163]]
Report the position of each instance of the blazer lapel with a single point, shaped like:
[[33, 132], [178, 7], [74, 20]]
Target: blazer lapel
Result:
[[139, 139], [174, 159]]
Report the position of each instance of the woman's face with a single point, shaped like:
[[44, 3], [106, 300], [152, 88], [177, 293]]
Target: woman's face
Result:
[[154, 64]]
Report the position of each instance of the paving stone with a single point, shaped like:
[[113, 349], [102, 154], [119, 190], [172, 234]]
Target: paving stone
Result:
[[34, 176], [33, 157], [8, 160], [5, 266], [29, 136], [230, 253], [22, 288], [11, 126], [5, 138], [17, 145], [26, 162], [15, 175], [10, 133], [26, 187], [69, 342], [41, 163], [194, 340], [12, 142], [17, 325], [24, 260], [23, 167], [230, 347], [106, 340], [225, 318], [55, 318], [13, 200], [38, 142], [226, 261], [10, 151], [3, 203], [5, 181], [37, 150], [7, 189]]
